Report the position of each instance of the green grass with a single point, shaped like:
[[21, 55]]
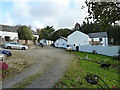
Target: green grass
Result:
[[97, 57], [27, 80], [78, 69]]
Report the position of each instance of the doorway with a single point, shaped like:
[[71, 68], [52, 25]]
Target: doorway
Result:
[[7, 38], [77, 48]]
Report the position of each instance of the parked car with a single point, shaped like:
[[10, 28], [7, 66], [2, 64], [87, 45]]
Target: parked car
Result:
[[69, 48], [6, 52], [2, 57], [14, 45]]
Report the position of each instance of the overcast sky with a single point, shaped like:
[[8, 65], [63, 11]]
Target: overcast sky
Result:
[[39, 13]]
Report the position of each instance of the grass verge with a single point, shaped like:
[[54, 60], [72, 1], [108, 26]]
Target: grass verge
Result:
[[78, 69]]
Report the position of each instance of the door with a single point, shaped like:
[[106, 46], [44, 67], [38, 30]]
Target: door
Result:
[[77, 48]]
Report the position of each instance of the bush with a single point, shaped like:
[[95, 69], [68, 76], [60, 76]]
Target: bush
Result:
[[3, 66], [116, 57]]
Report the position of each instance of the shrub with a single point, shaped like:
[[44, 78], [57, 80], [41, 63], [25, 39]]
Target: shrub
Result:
[[116, 57], [3, 66]]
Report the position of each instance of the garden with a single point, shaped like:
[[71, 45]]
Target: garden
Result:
[[80, 67]]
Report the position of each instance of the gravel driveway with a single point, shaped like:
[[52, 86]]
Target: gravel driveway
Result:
[[52, 61]]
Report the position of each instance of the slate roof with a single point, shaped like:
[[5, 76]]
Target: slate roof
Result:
[[8, 28], [97, 35]]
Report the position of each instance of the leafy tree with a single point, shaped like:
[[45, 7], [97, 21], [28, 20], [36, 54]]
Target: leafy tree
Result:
[[77, 26], [61, 32], [104, 13], [113, 32], [45, 33], [24, 33], [90, 27]]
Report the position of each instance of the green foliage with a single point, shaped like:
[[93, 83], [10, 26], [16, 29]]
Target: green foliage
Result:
[[61, 32], [45, 33], [24, 33], [116, 57], [113, 32], [104, 12], [78, 69], [89, 27]]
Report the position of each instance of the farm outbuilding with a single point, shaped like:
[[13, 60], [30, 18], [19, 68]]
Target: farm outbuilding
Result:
[[61, 42]]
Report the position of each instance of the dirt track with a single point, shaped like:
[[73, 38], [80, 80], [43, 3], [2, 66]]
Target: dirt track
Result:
[[52, 61]]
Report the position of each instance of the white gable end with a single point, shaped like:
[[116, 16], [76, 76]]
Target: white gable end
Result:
[[61, 43], [78, 38]]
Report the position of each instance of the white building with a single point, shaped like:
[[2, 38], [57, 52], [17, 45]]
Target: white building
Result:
[[8, 36], [61, 42], [77, 38], [46, 42], [99, 38]]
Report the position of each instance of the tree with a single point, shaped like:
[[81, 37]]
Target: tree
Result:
[[24, 33], [113, 32], [90, 27], [104, 13], [61, 32], [77, 26], [46, 32]]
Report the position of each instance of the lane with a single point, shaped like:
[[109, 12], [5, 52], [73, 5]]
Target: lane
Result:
[[52, 60]]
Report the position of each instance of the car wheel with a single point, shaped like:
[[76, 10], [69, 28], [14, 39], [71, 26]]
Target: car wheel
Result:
[[8, 47], [23, 48]]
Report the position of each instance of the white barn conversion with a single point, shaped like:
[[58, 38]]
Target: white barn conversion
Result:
[[99, 38], [61, 42]]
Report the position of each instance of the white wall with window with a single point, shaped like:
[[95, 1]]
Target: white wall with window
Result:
[[61, 43], [99, 41]]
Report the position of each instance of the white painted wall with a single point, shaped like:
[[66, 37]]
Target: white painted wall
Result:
[[49, 42], [43, 41], [36, 36], [73, 46], [12, 35], [109, 51], [46, 42], [61, 43], [78, 38]]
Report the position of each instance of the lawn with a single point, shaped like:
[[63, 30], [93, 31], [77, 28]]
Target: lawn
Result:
[[78, 69]]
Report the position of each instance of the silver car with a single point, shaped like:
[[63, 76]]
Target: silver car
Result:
[[14, 45]]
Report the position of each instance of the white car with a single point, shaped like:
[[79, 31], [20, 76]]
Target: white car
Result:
[[15, 45], [2, 57], [69, 48]]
